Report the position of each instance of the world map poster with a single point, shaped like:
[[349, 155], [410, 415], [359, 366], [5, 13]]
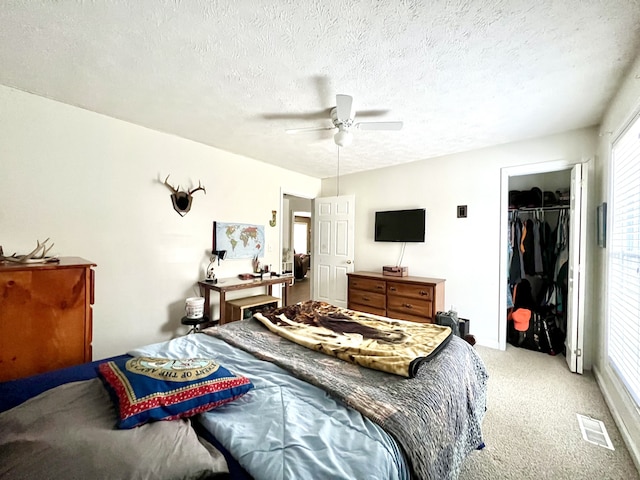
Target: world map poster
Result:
[[240, 240]]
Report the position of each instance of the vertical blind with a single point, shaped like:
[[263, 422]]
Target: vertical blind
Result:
[[623, 245]]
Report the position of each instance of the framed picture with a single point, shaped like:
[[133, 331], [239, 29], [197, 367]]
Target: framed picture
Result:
[[601, 218], [240, 240]]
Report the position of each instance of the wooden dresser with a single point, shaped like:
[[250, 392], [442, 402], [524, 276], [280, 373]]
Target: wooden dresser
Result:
[[45, 316], [408, 298]]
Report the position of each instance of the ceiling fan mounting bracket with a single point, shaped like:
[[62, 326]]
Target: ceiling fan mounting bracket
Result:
[[338, 123]]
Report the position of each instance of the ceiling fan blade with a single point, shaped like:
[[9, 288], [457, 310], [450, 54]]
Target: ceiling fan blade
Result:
[[311, 129], [315, 115], [379, 125], [344, 107], [370, 113]]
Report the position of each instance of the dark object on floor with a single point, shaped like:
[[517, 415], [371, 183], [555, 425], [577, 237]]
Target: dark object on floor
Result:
[[301, 262], [449, 319], [463, 326], [471, 340]]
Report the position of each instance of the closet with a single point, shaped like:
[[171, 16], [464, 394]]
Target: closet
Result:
[[538, 261]]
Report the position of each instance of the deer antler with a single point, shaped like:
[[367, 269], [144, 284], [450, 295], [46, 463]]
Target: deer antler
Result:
[[35, 253], [200, 187], [46, 250], [174, 190]]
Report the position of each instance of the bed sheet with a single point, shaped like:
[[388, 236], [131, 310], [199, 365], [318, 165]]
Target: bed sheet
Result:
[[286, 428], [15, 392]]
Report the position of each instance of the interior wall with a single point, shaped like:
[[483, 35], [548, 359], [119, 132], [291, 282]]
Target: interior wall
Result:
[[93, 184], [550, 181], [624, 106], [464, 251]]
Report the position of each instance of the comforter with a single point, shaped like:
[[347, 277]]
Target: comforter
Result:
[[285, 428], [436, 416]]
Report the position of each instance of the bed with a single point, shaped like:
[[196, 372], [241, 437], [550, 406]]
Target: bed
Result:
[[301, 412]]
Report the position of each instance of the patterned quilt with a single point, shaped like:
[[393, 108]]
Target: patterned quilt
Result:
[[435, 417], [381, 343]]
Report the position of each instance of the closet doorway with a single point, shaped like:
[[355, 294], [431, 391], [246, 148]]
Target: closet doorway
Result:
[[550, 176]]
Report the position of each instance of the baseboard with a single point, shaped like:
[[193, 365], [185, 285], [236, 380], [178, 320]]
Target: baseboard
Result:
[[488, 343], [614, 397]]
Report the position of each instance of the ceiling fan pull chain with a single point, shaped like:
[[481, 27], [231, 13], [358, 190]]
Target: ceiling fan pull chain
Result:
[[338, 176]]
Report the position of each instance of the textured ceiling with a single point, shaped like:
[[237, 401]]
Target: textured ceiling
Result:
[[236, 74]]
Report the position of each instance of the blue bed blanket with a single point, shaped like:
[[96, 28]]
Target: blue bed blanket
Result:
[[435, 417], [287, 428]]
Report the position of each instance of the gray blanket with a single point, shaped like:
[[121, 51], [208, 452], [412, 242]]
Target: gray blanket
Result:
[[435, 417]]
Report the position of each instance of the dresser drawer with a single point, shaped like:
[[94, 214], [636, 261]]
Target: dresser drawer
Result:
[[409, 317], [408, 306], [422, 292], [368, 284], [361, 297], [368, 309]]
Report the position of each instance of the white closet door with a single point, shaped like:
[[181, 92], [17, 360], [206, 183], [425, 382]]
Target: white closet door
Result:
[[577, 245]]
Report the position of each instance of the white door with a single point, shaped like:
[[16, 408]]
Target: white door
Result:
[[333, 248], [574, 339]]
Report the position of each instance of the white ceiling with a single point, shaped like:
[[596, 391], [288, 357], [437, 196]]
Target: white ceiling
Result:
[[235, 74]]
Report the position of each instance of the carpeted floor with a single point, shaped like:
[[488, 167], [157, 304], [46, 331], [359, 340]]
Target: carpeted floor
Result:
[[530, 428]]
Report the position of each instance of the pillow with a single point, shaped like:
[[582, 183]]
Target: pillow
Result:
[[146, 388], [67, 433]]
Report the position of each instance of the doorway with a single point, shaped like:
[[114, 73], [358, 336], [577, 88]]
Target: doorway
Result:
[[295, 242], [514, 178]]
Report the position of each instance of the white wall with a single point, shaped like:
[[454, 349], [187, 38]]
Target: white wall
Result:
[[623, 107], [93, 185], [465, 251]]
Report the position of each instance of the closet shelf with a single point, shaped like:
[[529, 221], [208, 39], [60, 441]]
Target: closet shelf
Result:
[[544, 209]]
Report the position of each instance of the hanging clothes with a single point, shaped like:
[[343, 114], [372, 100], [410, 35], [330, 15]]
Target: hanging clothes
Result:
[[536, 251], [515, 264], [528, 247], [562, 242], [537, 245]]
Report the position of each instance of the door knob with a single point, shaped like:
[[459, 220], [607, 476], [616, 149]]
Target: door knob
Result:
[[348, 262]]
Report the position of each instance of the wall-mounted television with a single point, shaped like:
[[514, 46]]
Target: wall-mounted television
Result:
[[400, 225]]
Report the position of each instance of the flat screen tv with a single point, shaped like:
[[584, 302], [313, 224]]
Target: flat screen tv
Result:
[[400, 225]]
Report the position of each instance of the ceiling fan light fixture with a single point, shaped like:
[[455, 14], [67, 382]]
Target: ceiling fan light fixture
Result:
[[343, 138]]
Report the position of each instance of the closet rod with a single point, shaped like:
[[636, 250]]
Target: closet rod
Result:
[[544, 209]]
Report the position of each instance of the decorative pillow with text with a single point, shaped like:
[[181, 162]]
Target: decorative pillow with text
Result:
[[146, 389]]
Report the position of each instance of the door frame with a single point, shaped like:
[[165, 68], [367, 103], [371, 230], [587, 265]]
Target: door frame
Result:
[[284, 192], [505, 174]]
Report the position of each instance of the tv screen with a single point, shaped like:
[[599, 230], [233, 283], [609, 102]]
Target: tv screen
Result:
[[400, 225]]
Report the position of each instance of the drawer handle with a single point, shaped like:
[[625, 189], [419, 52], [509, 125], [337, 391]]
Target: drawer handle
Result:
[[379, 287], [422, 292], [408, 305], [393, 289], [366, 299]]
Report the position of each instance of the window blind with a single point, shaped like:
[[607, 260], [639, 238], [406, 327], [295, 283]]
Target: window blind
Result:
[[623, 245]]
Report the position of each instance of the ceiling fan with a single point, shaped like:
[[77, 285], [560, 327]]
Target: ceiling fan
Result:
[[342, 117]]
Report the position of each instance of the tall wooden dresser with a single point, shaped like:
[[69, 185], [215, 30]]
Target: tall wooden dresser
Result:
[[45, 316], [408, 298]]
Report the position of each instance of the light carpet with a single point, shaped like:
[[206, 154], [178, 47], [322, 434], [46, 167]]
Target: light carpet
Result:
[[530, 428]]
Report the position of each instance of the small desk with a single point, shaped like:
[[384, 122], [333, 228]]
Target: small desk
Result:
[[224, 285]]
